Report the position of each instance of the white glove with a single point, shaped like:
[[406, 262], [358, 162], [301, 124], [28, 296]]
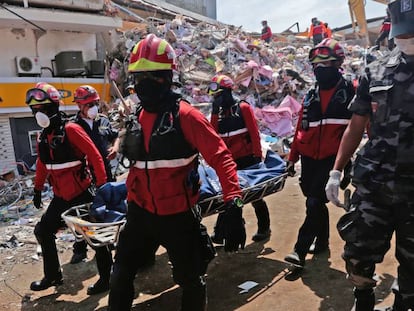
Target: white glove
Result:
[[332, 187]]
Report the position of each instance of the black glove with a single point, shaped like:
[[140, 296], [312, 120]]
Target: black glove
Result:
[[290, 168], [234, 232], [37, 199]]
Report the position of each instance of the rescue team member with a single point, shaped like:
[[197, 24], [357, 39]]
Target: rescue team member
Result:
[[63, 150], [385, 33], [236, 124], [106, 140], [383, 173], [322, 121], [163, 184], [317, 31], [266, 35]]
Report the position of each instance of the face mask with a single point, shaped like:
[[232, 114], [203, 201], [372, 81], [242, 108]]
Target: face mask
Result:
[[405, 45], [92, 112], [42, 119], [152, 94], [224, 99], [327, 77]]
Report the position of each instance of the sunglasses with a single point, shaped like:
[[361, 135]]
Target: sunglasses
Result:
[[37, 95], [92, 104], [322, 52]]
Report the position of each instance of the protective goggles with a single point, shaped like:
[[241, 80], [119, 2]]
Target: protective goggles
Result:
[[322, 53], [214, 88], [37, 95], [89, 93]]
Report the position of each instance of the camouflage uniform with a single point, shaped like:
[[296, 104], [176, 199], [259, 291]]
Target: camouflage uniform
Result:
[[383, 175]]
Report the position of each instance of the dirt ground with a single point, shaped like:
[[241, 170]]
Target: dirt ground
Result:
[[321, 286]]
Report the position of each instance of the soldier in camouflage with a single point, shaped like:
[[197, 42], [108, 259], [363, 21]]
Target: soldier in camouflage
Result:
[[383, 173]]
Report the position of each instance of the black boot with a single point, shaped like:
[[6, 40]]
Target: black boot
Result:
[[364, 299], [46, 283], [100, 286], [195, 297], [263, 221]]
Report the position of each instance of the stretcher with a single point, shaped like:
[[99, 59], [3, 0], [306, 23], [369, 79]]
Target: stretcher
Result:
[[100, 222]]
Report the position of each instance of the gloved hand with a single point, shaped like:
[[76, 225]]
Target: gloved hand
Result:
[[37, 199], [290, 168], [332, 187], [234, 232]]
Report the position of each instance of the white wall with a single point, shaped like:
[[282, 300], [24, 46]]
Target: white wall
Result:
[[22, 42]]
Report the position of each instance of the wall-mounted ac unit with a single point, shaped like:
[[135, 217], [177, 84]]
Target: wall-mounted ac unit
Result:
[[69, 64], [28, 66], [95, 68]]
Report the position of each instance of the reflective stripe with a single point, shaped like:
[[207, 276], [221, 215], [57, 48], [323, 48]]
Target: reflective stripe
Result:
[[329, 121], [234, 133], [62, 165], [165, 163]]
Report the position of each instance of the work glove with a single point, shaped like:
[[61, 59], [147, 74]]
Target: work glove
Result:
[[234, 232], [332, 187], [290, 168], [37, 199]]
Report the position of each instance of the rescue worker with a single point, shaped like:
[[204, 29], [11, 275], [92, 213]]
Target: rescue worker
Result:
[[266, 35], [385, 33], [328, 33], [106, 140], [322, 121], [316, 31], [236, 124], [383, 172], [163, 184], [63, 151]]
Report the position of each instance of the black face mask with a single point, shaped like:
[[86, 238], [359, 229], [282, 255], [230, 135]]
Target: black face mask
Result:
[[224, 99], [152, 94], [327, 77]]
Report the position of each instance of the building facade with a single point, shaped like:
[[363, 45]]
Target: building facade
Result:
[[63, 44], [202, 7]]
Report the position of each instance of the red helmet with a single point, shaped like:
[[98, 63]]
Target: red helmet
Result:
[[328, 49], [86, 94], [152, 54], [218, 83], [43, 93]]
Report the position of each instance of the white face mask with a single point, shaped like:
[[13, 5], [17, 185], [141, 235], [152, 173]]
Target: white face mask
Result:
[[405, 45], [42, 119], [92, 112]]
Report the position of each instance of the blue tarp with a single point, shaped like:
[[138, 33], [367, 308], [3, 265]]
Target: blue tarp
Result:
[[271, 167]]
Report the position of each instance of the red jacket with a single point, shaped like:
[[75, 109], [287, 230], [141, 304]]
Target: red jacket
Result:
[[328, 118], [266, 34], [66, 177], [161, 186], [243, 140], [318, 29]]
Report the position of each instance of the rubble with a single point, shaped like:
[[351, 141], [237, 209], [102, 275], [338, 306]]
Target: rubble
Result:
[[266, 74]]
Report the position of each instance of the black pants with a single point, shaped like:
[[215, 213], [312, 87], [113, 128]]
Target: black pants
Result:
[[143, 233], [47, 227], [314, 176]]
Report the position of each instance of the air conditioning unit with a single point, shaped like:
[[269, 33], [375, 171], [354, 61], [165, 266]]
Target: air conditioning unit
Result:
[[95, 68], [28, 66], [69, 64]]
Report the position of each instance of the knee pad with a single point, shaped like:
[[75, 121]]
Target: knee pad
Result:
[[360, 274]]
